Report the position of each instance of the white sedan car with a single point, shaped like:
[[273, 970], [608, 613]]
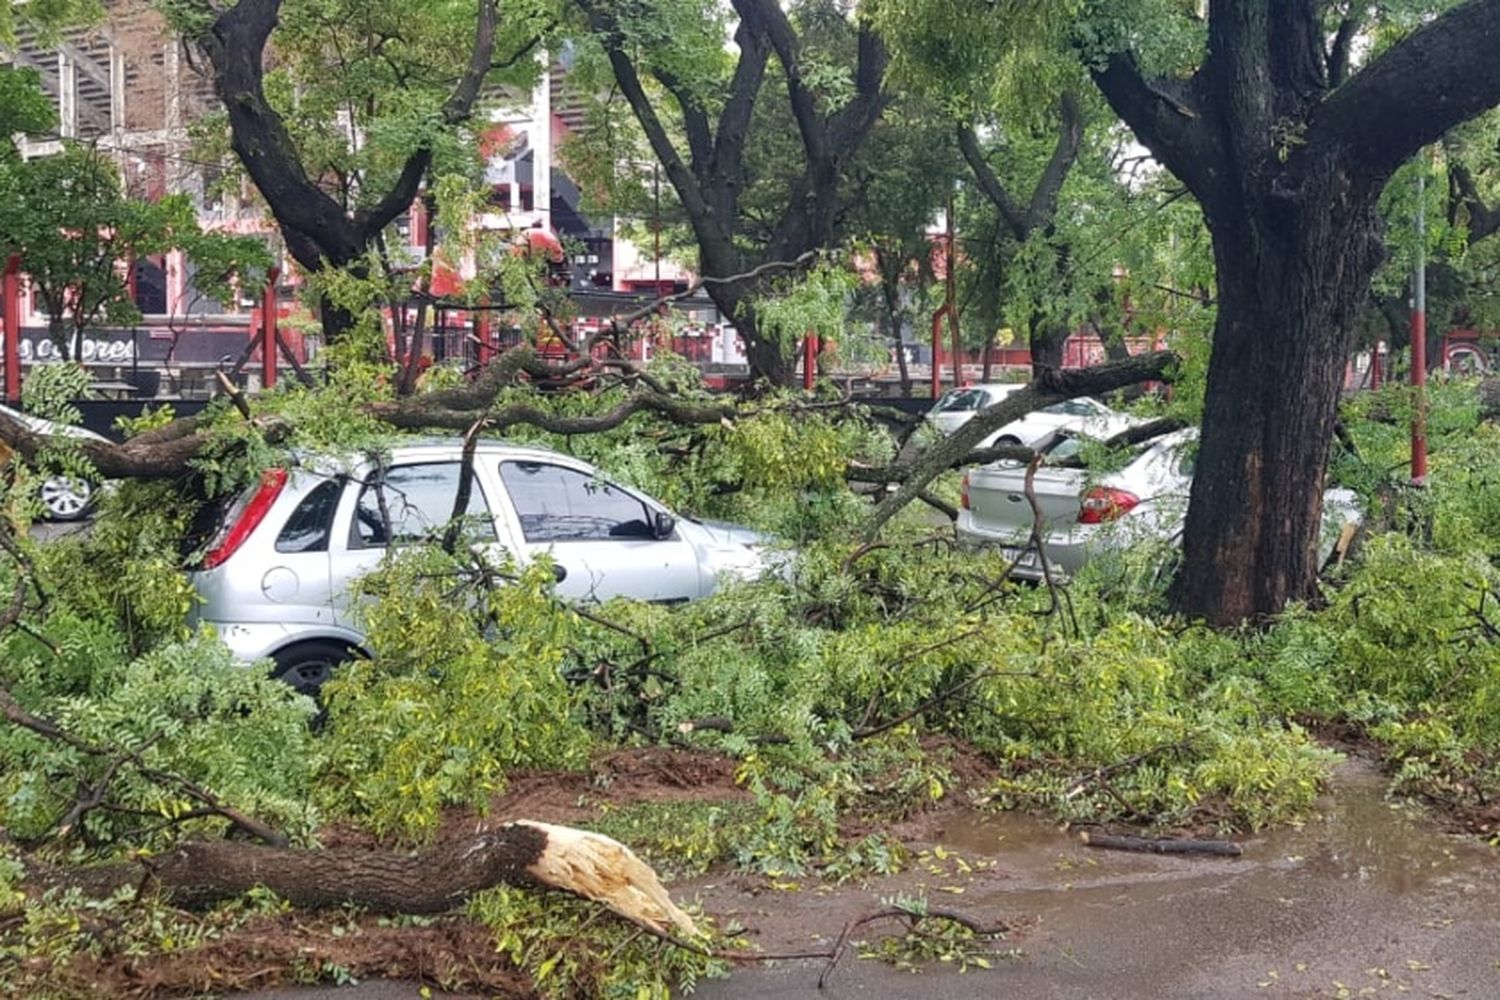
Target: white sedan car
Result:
[[1084, 517], [1083, 415]]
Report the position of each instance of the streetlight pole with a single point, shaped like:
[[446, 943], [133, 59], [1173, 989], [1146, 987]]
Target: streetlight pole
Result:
[[1419, 338]]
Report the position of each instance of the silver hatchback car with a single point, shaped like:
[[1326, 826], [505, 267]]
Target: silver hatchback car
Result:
[[275, 579]]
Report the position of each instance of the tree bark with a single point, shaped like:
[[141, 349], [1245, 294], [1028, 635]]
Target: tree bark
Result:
[[1047, 341], [711, 178], [764, 355], [318, 232], [1287, 168], [201, 873], [1289, 285]]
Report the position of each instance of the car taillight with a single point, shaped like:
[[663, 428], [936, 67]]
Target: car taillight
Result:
[[963, 493], [247, 518], [1102, 504]]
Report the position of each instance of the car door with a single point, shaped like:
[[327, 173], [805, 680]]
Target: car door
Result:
[[405, 503], [601, 536]]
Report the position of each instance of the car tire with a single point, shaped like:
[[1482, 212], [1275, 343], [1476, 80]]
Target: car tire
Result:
[[66, 498], [1008, 442], [307, 666]]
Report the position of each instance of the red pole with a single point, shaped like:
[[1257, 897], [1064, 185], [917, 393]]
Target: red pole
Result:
[[809, 360], [1419, 381], [958, 351], [482, 334], [11, 293], [268, 331]]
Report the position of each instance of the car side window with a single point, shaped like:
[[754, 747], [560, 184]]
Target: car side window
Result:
[[418, 501], [307, 529], [558, 504], [1064, 449]]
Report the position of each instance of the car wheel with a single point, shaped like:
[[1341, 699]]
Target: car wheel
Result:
[[307, 666], [1008, 442], [66, 498]]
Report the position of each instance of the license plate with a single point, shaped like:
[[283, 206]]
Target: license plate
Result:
[[1027, 558]]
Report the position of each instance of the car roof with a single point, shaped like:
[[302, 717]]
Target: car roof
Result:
[[41, 425], [408, 449]]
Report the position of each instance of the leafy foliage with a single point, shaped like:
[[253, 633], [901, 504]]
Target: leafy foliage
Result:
[[545, 936], [454, 698], [72, 223]]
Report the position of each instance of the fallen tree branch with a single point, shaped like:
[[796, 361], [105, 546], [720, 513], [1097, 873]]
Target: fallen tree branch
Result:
[[1100, 773], [524, 852], [902, 471], [17, 715], [912, 919], [159, 456], [1112, 842], [465, 488]]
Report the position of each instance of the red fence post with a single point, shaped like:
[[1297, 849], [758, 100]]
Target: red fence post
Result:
[[268, 331], [809, 360], [1419, 382], [958, 350], [482, 335], [10, 292]]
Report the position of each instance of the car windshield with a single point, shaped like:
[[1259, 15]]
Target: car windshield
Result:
[[1076, 408], [961, 401]]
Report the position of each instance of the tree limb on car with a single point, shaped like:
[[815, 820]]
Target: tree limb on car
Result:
[[1052, 386]]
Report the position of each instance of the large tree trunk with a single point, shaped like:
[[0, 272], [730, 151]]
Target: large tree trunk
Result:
[[1289, 285], [1287, 153], [900, 346], [1047, 340], [763, 354], [522, 853]]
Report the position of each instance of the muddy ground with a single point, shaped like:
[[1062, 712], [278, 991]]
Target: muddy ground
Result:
[[1369, 898]]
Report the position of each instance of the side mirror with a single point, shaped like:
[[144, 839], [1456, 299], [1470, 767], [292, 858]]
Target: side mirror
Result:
[[662, 525]]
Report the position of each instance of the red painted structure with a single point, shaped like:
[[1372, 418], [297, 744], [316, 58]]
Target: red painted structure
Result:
[[268, 331], [10, 293], [1419, 381]]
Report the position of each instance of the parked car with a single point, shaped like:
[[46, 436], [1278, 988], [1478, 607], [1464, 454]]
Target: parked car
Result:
[[63, 497], [957, 407], [275, 578], [1083, 415], [1142, 503]]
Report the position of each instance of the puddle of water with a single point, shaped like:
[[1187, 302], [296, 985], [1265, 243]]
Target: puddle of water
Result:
[[1366, 894], [1356, 833]]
